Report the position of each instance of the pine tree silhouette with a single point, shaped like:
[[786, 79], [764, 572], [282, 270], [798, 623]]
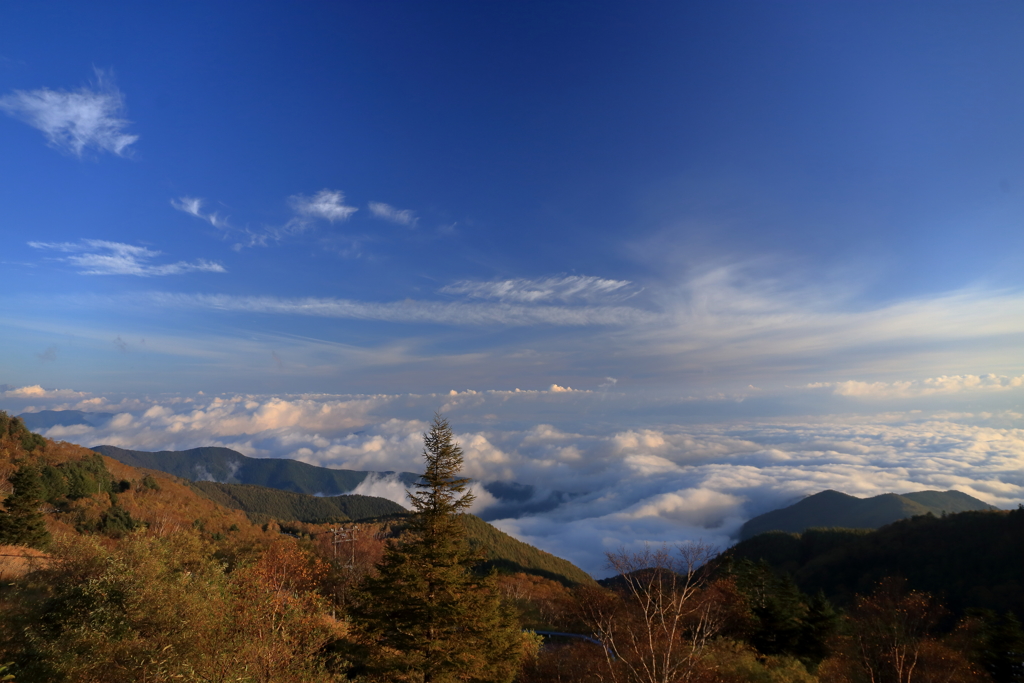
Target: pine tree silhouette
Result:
[[428, 616]]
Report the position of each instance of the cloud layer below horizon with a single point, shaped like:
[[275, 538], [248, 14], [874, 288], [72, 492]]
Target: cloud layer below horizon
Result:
[[634, 482]]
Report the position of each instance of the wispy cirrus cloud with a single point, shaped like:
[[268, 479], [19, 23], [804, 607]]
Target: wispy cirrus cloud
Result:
[[194, 207], [100, 257], [566, 288], [389, 213], [326, 205], [444, 313], [74, 121], [932, 386]]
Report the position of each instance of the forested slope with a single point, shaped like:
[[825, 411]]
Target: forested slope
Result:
[[835, 509], [970, 559], [508, 554], [262, 504]]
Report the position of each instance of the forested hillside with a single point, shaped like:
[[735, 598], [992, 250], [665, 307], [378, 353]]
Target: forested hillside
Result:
[[971, 559], [510, 555], [501, 552], [835, 509], [229, 466], [262, 504]]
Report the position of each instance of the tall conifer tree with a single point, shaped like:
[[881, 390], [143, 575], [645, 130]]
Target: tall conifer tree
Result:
[[22, 523], [428, 617]]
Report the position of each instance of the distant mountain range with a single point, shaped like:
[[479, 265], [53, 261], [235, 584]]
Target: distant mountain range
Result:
[[227, 466], [835, 509]]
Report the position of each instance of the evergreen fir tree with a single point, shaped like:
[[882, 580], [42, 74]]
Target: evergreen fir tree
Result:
[[428, 617], [1002, 648], [22, 523]]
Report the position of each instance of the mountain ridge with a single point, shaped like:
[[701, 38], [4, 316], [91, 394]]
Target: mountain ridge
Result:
[[227, 466], [968, 558], [262, 504], [836, 509]]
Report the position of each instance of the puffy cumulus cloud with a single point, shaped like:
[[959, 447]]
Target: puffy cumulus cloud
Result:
[[933, 386], [388, 486], [257, 426], [620, 484]]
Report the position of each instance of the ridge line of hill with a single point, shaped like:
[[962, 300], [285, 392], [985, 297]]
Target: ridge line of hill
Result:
[[835, 509]]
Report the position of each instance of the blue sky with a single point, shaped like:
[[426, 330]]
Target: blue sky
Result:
[[842, 157], [697, 212]]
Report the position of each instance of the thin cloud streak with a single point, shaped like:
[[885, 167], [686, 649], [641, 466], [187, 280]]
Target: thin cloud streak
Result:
[[100, 257], [75, 121], [568, 288], [722, 318], [389, 213], [193, 206], [453, 313], [717, 325], [932, 386]]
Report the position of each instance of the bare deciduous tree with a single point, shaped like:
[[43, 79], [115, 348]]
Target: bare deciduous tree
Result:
[[655, 630], [891, 627]]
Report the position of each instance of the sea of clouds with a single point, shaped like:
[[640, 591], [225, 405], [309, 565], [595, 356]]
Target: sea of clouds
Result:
[[637, 476]]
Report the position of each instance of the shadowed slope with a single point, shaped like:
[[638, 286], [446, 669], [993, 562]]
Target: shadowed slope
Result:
[[835, 509]]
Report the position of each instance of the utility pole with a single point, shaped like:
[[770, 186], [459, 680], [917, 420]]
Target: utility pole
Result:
[[342, 535]]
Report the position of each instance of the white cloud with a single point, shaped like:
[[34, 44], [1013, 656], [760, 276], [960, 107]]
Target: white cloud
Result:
[[566, 288], [37, 392], [387, 486], [194, 207], [390, 213], [75, 121], [933, 386], [453, 313], [100, 257], [326, 204]]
